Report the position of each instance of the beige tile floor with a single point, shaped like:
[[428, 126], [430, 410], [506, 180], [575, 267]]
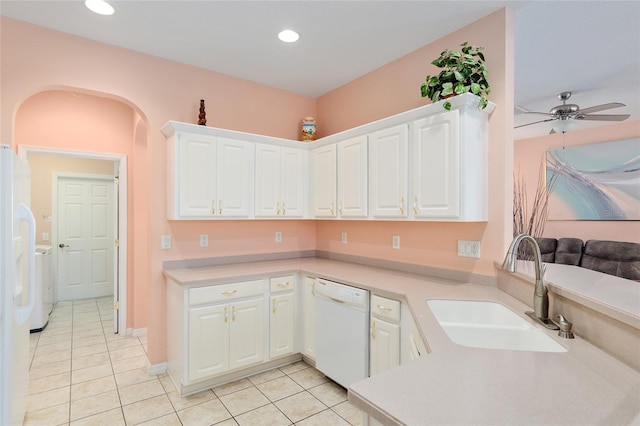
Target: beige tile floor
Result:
[[83, 374]]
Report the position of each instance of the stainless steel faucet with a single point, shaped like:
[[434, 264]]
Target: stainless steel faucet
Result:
[[540, 292]]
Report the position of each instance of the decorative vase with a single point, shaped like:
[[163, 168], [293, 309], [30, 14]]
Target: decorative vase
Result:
[[202, 117], [308, 129]]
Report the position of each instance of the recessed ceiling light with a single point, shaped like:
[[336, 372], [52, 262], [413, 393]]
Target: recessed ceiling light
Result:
[[288, 36], [100, 7]]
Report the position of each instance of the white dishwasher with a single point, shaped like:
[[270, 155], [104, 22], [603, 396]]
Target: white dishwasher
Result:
[[342, 332]]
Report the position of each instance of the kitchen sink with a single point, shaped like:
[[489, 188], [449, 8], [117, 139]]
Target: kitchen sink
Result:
[[491, 325]]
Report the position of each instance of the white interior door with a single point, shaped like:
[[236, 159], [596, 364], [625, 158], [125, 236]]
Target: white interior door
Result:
[[85, 237]]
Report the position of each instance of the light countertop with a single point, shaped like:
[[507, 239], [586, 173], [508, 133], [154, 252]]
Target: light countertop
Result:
[[454, 384]]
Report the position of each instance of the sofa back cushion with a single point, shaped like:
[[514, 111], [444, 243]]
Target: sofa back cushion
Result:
[[569, 251], [547, 250], [612, 257]]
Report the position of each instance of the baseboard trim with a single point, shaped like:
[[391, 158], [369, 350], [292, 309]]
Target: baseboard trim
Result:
[[157, 369], [138, 332]]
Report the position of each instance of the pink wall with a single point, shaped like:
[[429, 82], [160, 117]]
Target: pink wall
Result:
[[528, 154], [395, 88], [36, 59]]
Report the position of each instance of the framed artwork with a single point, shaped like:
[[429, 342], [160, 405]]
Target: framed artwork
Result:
[[595, 182]]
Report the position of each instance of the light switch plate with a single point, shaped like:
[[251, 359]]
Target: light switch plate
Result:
[[204, 240], [344, 238], [166, 242], [469, 248], [278, 237], [45, 236], [396, 242]]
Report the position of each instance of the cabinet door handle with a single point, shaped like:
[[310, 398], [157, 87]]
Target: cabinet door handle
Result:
[[273, 309], [415, 205], [213, 207], [340, 208], [373, 330], [219, 206], [278, 208], [233, 313], [402, 205], [384, 308], [333, 209], [284, 209], [313, 289], [281, 285], [226, 314], [229, 292]]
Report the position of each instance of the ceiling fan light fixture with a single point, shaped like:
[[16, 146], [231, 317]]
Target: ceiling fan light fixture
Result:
[[564, 125], [100, 7], [288, 36]]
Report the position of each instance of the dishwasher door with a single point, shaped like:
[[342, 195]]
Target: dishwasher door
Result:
[[342, 332]]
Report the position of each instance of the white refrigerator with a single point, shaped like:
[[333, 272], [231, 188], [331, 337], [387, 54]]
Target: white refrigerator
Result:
[[17, 284]]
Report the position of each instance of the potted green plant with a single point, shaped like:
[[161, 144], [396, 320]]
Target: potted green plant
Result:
[[462, 71]]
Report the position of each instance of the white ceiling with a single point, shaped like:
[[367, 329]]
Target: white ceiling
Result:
[[587, 47]]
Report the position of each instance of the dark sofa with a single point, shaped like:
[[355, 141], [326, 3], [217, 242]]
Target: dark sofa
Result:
[[617, 258]]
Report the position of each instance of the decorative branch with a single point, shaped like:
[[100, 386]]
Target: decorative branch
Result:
[[532, 221]]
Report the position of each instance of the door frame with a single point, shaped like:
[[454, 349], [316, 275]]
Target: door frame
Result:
[[120, 225]]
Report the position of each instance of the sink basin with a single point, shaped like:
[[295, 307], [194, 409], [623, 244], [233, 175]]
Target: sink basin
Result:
[[483, 324]]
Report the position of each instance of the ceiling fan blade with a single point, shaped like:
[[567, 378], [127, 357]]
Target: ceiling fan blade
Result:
[[535, 122], [537, 112], [603, 117], [602, 107]]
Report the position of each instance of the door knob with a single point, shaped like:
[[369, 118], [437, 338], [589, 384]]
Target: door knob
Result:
[[62, 245]]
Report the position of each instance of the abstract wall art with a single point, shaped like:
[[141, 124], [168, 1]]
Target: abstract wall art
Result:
[[595, 182]]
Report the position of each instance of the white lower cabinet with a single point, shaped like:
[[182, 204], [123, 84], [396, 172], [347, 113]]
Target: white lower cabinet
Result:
[[282, 317], [309, 317], [212, 330], [384, 342], [412, 346]]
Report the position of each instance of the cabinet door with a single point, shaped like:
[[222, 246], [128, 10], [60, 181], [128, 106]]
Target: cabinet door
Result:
[[384, 346], [281, 325], [196, 174], [388, 172], [235, 175], [436, 166], [323, 181], [208, 341], [309, 317], [246, 333], [292, 182], [352, 177], [267, 190]]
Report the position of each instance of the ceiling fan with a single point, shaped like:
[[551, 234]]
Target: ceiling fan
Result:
[[567, 111]]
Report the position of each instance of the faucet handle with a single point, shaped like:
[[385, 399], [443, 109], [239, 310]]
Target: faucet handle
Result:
[[565, 327]]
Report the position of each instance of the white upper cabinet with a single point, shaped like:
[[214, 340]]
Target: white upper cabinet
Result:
[[388, 172], [235, 168], [449, 176], [435, 156], [323, 181], [422, 164], [196, 183], [339, 179], [209, 177], [352, 178], [280, 182]]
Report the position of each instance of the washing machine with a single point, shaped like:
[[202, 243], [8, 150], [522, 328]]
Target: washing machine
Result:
[[44, 290]]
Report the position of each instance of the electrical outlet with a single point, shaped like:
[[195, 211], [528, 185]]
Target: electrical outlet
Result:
[[396, 242], [344, 238], [166, 242], [278, 237], [204, 240], [469, 248], [45, 236]]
